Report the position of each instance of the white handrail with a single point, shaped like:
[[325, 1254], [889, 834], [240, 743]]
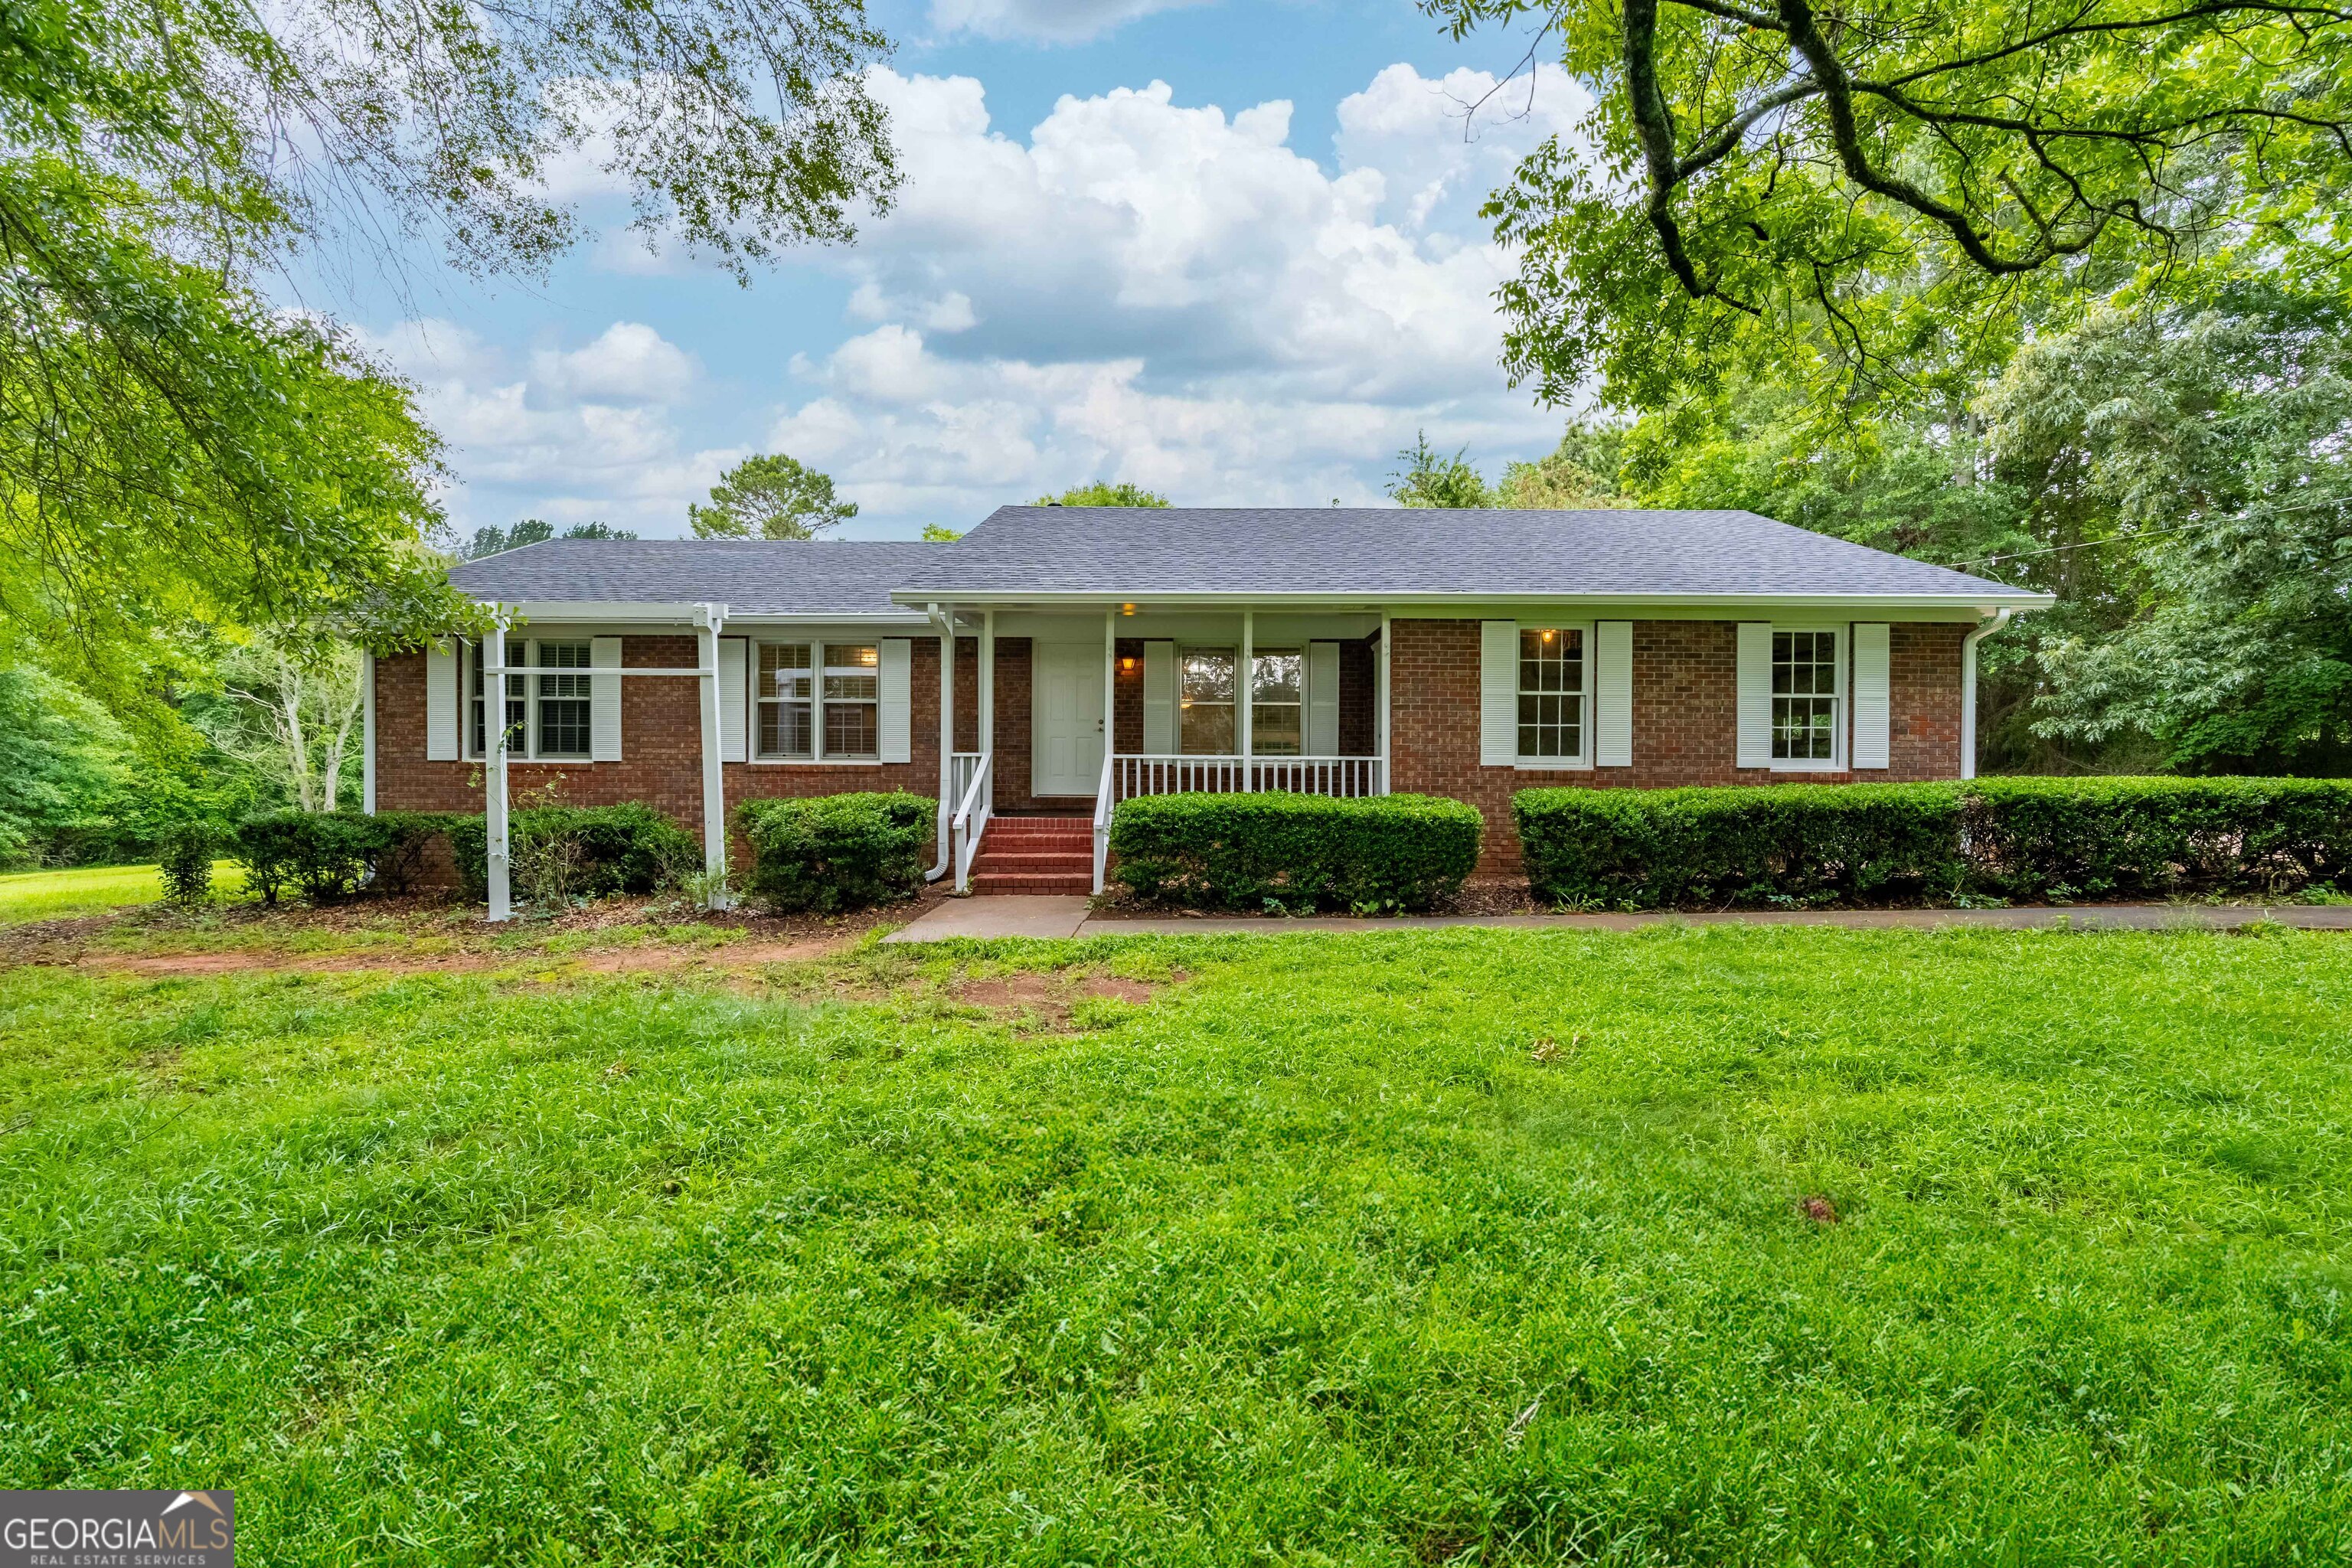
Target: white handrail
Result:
[[1139, 773], [1102, 802], [972, 815]]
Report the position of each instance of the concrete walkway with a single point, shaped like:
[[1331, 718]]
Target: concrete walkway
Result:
[[1012, 915]]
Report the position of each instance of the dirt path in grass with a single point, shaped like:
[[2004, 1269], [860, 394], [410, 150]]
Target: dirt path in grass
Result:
[[377, 939]]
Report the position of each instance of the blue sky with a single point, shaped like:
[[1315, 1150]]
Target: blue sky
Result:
[[1228, 250]]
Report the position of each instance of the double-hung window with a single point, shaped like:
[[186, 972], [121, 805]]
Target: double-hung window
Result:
[[1275, 688], [1552, 694], [1806, 697], [1206, 690], [547, 700], [819, 701]]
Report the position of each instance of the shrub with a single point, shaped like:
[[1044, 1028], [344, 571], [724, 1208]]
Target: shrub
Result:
[[555, 852], [1775, 843], [2014, 838], [330, 855], [837, 851], [1302, 851], [184, 855], [2106, 837]]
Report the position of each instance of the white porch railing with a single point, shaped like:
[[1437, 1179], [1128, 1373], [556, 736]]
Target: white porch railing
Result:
[[963, 766], [972, 811], [1138, 773], [1104, 801]]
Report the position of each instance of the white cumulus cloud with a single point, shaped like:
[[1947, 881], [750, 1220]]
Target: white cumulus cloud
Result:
[[1046, 21]]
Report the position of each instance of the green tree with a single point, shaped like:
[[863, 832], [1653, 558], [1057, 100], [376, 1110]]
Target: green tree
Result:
[[291, 715], [1578, 475], [62, 758], [173, 451], [492, 540], [939, 533], [2205, 459], [1104, 493], [1887, 194], [1430, 479], [770, 497]]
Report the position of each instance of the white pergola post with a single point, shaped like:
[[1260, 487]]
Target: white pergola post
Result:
[[367, 734], [1245, 679], [707, 619], [1386, 752], [946, 725], [988, 700], [494, 783]]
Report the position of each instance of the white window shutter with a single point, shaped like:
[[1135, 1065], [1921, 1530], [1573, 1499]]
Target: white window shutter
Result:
[[605, 700], [898, 703], [734, 699], [1612, 694], [1158, 698], [1755, 688], [440, 704], [1871, 687], [1498, 693], [1322, 735]]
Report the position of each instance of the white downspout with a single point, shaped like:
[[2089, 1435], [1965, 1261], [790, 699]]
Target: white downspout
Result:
[[945, 621], [1969, 689]]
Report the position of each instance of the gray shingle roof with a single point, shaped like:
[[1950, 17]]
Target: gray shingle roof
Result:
[[1368, 553], [749, 576], [1394, 551]]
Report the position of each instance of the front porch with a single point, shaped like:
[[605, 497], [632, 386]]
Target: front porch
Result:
[[1048, 715]]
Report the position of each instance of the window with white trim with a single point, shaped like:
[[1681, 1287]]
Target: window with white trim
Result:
[[819, 701], [1204, 694], [548, 717], [1276, 685], [1552, 694], [786, 701], [1806, 697]]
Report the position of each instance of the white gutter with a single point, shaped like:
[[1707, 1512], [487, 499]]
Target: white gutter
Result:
[[1091, 598], [1968, 689]]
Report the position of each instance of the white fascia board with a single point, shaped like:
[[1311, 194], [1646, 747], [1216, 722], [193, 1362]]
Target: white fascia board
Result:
[[1958, 607]]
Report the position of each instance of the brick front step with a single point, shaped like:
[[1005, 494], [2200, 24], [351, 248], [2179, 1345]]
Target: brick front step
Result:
[[1079, 882], [1052, 860]]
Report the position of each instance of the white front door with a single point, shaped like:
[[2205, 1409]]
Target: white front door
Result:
[[1065, 719]]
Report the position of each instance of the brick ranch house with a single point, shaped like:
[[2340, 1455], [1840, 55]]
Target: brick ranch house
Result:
[[1057, 660]]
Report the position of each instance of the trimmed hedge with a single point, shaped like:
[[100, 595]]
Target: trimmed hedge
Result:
[[1301, 851], [1648, 848], [330, 855], [2010, 837], [2113, 837], [837, 851], [585, 851]]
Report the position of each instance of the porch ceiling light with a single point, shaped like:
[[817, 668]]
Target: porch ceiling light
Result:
[[1127, 609]]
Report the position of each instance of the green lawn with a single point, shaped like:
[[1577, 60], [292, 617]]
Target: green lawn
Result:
[[93, 890], [1473, 1245]]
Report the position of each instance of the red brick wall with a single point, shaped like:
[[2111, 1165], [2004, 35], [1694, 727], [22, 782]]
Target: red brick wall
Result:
[[1684, 727], [1685, 705], [661, 746]]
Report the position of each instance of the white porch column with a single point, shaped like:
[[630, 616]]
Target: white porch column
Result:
[[1245, 679], [988, 701], [707, 619], [1387, 755], [494, 804], [1110, 683]]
